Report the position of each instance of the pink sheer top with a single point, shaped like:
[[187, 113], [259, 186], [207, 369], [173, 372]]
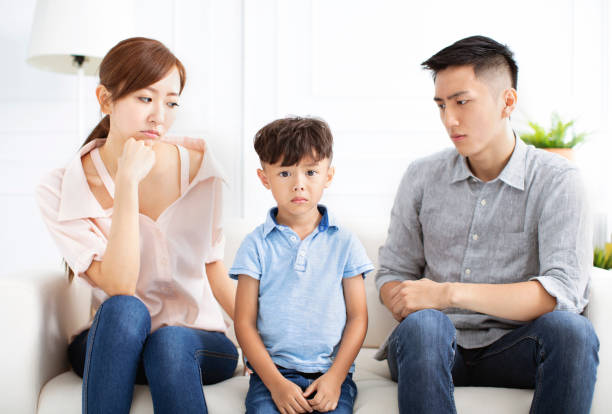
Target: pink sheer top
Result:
[[172, 281]]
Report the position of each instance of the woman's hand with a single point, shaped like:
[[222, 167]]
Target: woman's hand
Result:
[[135, 161]]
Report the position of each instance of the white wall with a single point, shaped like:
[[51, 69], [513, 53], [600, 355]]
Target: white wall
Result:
[[353, 62]]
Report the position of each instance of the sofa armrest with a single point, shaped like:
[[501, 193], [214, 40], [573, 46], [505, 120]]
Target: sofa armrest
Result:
[[599, 312], [39, 309]]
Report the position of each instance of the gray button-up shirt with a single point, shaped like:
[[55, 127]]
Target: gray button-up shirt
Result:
[[530, 223]]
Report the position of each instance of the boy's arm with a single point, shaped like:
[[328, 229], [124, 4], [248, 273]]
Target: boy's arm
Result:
[[328, 385], [286, 395]]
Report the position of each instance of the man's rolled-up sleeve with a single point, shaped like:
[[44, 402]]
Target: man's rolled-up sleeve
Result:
[[401, 257], [565, 242]]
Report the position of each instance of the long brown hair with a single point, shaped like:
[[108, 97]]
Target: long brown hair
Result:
[[131, 65]]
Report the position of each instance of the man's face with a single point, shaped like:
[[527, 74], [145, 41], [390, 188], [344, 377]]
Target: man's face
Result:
[[297, 189], [471, 109]]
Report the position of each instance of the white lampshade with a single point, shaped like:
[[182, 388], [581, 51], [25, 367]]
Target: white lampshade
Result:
[[89, 28]]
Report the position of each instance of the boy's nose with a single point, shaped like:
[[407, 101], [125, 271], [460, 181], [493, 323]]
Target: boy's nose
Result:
[[298, 187]]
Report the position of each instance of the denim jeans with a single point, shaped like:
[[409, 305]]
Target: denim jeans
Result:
[[259, 400], [119, 351], [556, 355]]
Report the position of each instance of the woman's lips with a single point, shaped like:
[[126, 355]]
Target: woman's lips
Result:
[[151, 134]]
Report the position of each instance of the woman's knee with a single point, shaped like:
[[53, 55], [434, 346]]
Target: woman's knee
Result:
[[126, 316]]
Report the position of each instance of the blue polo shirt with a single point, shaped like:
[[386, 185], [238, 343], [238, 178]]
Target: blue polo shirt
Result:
[[302, 313]]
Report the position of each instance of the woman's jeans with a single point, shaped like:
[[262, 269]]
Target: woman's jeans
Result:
[[259, 400], [119, 351], [556, 355]]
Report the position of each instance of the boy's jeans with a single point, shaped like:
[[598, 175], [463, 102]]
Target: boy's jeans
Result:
[[556, 354], [118, 351], [259, 400]]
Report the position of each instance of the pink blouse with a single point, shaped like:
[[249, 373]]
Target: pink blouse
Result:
[[172, 282]]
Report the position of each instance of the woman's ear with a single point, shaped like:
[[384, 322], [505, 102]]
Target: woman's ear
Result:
[[104, 99]]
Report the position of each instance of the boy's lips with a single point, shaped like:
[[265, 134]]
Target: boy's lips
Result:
[[299, 200]]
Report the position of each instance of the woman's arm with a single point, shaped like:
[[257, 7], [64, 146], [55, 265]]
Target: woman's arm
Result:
[[222, 286], [284, 393], [117, 273], [328, 385]]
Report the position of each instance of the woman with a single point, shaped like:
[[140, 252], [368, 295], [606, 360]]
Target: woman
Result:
[[138, 216]]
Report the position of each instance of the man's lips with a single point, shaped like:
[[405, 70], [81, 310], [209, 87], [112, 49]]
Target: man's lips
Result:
[[457, 137]]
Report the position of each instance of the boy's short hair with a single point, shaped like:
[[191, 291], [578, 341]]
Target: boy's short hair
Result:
[[292, 139], [480, 52]]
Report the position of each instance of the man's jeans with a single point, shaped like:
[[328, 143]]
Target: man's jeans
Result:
[[259, 400], [118, 351], [555, 354]]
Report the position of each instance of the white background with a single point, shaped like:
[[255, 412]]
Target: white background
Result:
[[356, 63]]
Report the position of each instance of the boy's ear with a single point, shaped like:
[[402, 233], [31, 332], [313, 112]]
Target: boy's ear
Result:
[[104, 99], [264, 179], [330, 175]]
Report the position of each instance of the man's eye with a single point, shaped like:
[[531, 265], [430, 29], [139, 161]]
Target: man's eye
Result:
[[284, 173], [462, 101], [145, 99], [441, 106]]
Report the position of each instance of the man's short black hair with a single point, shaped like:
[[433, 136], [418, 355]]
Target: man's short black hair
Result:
[[292, 139], [480, 52]]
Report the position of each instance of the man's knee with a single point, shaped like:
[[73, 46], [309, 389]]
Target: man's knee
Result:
[[425, 328], [571, 332]]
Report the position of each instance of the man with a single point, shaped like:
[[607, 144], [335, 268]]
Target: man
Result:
[[486, 263]]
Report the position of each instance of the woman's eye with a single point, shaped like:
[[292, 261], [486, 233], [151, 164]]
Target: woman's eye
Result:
[[145, 99], [284, 173], [173, 104]]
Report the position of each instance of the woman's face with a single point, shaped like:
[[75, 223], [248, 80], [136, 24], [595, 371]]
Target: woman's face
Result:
[[147, 113]]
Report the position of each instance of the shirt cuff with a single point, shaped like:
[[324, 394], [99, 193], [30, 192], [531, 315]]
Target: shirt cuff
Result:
[[234, 272], [557, 289], [381, 280]]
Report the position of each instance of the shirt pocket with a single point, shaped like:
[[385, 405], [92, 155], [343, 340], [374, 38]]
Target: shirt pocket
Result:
[[514, 256]]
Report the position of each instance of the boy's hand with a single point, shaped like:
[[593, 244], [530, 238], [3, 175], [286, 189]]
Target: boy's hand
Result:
[[327, 387], [289, 399]]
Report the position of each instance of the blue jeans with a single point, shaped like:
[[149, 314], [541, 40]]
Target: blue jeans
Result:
[[119, 351], [556, 355], [259, 400]]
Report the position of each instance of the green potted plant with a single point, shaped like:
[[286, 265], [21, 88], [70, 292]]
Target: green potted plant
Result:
[[556, 139], [602, 256]]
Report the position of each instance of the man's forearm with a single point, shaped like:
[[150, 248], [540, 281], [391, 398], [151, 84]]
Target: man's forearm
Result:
[[522, 301]]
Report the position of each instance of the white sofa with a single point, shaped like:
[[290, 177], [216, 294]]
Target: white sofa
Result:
[[39, 308]]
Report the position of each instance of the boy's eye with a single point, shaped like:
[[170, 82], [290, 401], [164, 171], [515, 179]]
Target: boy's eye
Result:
[[145, 99], [284, 173], [311, 173]]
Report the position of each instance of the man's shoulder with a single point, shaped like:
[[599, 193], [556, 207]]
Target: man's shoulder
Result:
[[546, 167]]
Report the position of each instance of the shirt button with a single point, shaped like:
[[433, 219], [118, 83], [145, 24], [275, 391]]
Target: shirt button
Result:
[[468, 271], [483, 202], [475, 237], [293, 238]]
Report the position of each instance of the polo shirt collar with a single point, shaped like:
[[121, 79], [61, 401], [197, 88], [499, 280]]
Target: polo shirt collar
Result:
[[513, 173], [328, 221], [77, 201]]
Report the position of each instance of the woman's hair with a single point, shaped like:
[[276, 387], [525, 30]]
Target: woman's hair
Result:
[[131, 65]]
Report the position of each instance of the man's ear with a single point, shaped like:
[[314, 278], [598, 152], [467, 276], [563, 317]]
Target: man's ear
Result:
[[330, 175], [510, 99], [263, 178], [104, 99]]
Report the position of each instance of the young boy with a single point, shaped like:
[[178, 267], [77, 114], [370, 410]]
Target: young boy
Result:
[[301, 313]]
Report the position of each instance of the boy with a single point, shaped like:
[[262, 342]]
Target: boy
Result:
[[301, 313]]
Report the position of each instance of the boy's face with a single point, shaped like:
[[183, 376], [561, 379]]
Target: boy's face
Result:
[[297, 189], [473, 110]]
